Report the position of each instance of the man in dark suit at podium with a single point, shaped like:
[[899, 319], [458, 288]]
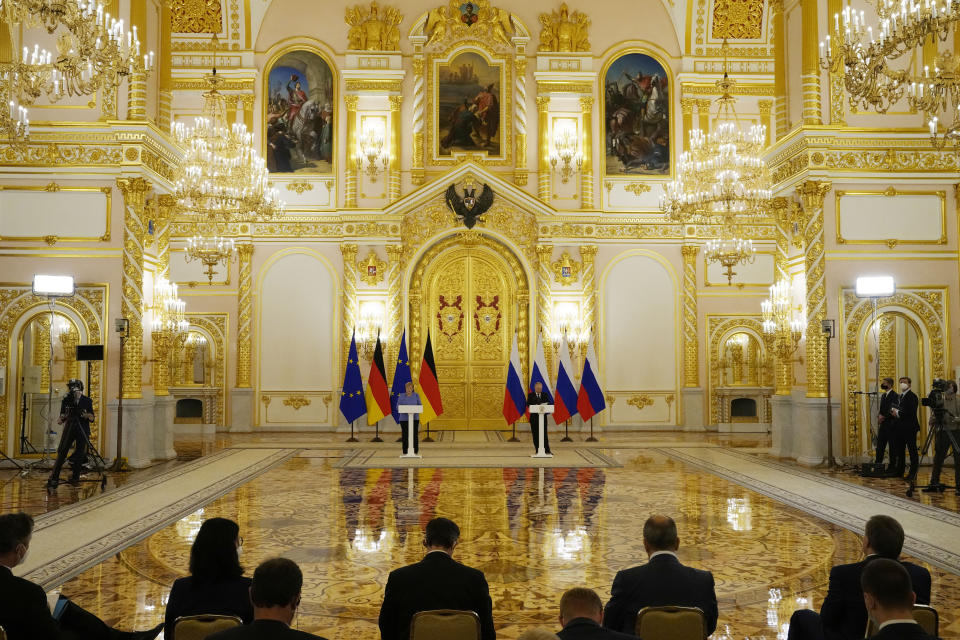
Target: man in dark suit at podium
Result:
[[662, 581], [537, 396], [908, 426], [436, 582], [886, 421]]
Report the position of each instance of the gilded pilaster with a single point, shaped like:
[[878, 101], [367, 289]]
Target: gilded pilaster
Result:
[[703, 108], [765, 107], [837, 92], [350, 173], [543, 143], [160, 341], [781, 344], [134, 192], [244, 315], [586, 172], [349, 252], [691, 361], [523, 331], [165, 68], [779, 66], [812, 194], [162, 225], [687, 106], [69, 340], [395, 128], [247, 101], [810, 64], [418, 175], [544, 309], [41, 351], [186, 368], [394, 304], [887, 348], [137, 96], [588, 254], [108, 103], [520, 120]]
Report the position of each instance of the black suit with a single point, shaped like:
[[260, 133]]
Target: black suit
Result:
[[843, 615], [587, 629], [538, 398], [229, 597], [663, 581], [263, 630], [902, 631], [906, 430], [436, 582], [76, 434], [886, 425]]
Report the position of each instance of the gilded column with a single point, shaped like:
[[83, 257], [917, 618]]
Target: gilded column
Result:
[[810, 63], [543, 144], [189, 358], [134, 192], [523, 331], [247, 101], [588, 253], [349, 252], [413, 347], [137, 96], [703, 107], [165, 68], [887, 349], [162, 225], [244, 315], [779, 66], [691, 361], [161, 341], [782, 349], [41, 351], [232, 101], [394, 304], [350, 173], [544, 311], [69, 340], [395, 127], [418, 175], [766, 107], [686, 107], [837, 91], [161, 352], [812, 194], [520, 120], [586, 172]]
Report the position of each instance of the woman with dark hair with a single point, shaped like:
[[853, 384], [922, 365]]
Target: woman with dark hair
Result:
[[216, 584]]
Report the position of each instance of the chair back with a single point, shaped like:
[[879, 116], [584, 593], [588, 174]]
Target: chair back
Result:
[[444, 624], [199, 627], [925, 615], [3, 634], [671, 623]]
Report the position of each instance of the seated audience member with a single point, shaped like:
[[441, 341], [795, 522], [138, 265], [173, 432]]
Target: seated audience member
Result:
[[216, 584], [538, 634], [436, 582], [24, 610], [888, 597], [581, 615], [662, 581], [843, 615], [275, 592]]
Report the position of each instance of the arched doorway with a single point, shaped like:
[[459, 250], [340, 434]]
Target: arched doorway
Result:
[[471, 294]]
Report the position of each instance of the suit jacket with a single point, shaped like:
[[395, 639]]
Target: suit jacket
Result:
[[436, 582], [908, 411], [888, 401], [663, 581], [84, 405], [904, 631], [587, 629], [229, 597], [843, 614], [24, 613], [263, 630], [534, 398]]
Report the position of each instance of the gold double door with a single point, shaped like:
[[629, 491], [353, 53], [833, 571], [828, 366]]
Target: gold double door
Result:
[[469, 304]]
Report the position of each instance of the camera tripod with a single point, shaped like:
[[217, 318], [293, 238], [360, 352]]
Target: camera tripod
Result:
[[937, 428], [99, 464]]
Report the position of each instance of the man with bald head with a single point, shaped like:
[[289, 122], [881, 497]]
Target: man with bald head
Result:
[[662, 581]]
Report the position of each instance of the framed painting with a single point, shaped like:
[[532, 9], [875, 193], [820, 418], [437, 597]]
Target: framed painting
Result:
[[299, 128], [469, 105], [636, 110]]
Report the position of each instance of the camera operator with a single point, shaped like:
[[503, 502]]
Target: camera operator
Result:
[[76, 412], [906, 430], [951, 422]]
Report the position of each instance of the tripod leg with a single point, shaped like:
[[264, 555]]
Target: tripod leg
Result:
[[926, 447]]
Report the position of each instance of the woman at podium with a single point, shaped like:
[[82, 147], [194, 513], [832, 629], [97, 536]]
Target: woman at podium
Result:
[[409, 398]]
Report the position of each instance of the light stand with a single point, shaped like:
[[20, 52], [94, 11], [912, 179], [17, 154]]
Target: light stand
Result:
[[828, 327], [121, 326]]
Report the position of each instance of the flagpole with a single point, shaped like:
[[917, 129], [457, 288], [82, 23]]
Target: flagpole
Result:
[[428, 438], [513, 435], [591, 438], [376, 437], [566, 432], [352, 437]]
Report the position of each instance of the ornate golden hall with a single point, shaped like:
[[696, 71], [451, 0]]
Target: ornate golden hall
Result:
[[739, 215]]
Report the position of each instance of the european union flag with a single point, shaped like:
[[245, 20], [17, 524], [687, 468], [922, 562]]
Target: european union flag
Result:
[[352, 403], [401, 376]]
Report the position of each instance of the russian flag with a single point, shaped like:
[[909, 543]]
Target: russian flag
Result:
[[539, 373], [565, 404], [514, 399], [590, 400]]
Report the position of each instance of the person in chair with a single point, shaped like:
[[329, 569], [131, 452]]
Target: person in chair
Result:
[[581, 616], [889, 598], [662, 581], [436, 582]]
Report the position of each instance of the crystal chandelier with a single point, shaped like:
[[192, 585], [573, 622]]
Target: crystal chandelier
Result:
[[723, 177], [864, 56], [168, 309], [210, 250], [784, 323], [730, 249]]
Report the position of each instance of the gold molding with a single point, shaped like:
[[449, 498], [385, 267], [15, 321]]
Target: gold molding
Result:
[[565, 262], [740, 89], [296, 402], [890, 192], [636, 188], [300, 186], [640, 401], [372, 269], [353, 84]]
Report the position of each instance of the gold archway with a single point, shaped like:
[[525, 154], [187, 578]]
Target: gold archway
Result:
[[718, 328]]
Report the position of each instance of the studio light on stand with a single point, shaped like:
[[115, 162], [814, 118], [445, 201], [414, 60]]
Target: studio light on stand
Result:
[[874, 288], [51, 288]]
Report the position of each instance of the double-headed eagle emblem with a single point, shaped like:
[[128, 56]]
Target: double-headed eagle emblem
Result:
[[470, 206]]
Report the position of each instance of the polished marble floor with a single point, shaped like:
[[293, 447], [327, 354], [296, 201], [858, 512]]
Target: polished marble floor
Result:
[[534, 532]]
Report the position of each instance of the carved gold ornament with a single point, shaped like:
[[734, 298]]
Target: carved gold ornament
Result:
[[196, 16], [737, 19], [636, 188], [566, 270], [564, 31], [296, 402], [372, 269], [476, 19], [373, 28], [640, 401], [299, 187]]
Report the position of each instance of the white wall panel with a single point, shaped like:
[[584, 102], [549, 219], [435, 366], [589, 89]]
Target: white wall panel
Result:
[[183, 272], [907, 217], [759, 272], [69, 214]]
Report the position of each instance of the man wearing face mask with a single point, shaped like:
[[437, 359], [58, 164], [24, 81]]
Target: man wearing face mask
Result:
[[951, 422], [76, 414], [886, 422], [908, 426], [25, 611]]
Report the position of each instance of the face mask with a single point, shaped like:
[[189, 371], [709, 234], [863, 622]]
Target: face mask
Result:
[[240, 551], [884, 387], [904, 386]]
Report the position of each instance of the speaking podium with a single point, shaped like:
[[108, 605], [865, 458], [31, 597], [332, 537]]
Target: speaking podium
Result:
[[411, 410], [543, 410]]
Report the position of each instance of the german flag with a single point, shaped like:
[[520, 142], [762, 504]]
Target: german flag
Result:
[[377, 395], [429, 387]]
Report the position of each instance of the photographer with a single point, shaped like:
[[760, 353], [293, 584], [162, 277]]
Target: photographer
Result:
[[951, 422], [76, 412]]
